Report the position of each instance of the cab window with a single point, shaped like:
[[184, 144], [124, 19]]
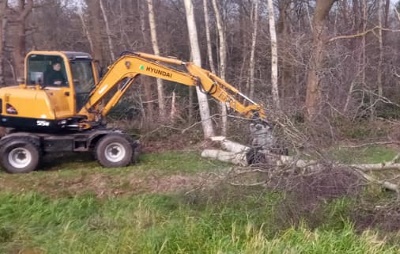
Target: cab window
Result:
[[46, 71], [82, 74]]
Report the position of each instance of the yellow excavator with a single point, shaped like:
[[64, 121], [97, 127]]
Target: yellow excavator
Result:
[[62, 103]]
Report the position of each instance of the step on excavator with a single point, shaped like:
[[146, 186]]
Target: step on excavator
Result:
[[62, 102]]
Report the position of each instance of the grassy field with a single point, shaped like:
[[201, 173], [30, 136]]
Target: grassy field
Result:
[[173, 202]]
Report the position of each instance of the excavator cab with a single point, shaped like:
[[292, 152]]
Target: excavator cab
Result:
[[69, 76], [57, 86]]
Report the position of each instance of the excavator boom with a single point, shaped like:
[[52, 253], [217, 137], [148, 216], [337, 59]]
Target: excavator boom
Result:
[[123, 72]]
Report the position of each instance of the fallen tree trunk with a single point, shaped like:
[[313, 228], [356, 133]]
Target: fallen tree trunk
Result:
[[238, 154], [235, 158]]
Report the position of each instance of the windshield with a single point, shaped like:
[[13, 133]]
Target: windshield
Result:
[[82, 74]]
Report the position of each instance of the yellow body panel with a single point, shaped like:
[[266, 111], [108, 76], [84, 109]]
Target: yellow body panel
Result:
[[29, 102]]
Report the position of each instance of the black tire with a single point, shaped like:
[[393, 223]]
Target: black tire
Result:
[[19, 156], [114, 150]]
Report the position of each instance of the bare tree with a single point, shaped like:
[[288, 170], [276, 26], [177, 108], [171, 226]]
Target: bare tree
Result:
[[17, 26], [85, 28], [313, 93], [154, 43], [208, 36], [222, 61], [108, 30], [274, 55], [195, 49], [252, 64], [146, 80], [95, 30]]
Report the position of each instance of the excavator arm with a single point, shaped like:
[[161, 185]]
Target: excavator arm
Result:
[[123, 72]]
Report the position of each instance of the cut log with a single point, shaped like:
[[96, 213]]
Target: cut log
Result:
[[231, 146], [376, 166], [235, 158]]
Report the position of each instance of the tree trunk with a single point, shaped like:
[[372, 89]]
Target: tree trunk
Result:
[[208, 36], [380, 41], [195, 49], [154, 43], [147, 86], [387, 9], [287, 88], [222, 62], [108, 31], [95, 28], [274, 55], [252, 63], [18, 38], [85, 29], [313, 93], [209, 53], [3, 24]]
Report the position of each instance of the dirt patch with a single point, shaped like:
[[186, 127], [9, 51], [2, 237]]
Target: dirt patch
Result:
[[173, 142], [104, 185]]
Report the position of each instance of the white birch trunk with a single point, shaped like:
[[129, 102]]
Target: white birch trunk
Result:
[[208, 36], [274, 55], [252, 63], [173, 114], [154, 43], [85, 28], [195, 49], [108, 31], [222, 62]]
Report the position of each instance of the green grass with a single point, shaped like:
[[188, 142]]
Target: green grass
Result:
[[161, 224], [168, 203], [369, 154]]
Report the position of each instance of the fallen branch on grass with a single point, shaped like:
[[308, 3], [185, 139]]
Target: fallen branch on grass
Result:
[[238, 154]]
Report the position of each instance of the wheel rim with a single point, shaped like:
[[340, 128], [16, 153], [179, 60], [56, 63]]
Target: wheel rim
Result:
[[19, 157], [115, 152]]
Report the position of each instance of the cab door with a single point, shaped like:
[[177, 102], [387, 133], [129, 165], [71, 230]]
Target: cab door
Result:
[[41, 67], [83, 80]]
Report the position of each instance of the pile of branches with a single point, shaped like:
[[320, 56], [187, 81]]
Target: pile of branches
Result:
[[307, 162]]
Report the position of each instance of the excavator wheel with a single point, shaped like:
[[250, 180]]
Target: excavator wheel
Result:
[[19, 155], [114, 150]]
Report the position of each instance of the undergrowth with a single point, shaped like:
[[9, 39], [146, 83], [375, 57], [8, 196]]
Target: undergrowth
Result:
[[91, 210]]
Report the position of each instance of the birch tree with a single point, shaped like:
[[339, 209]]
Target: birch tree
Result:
[[108, 30], [274, 55], [208, 36], [222, 61], [195, 50], [252, 63], [154, 43]]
